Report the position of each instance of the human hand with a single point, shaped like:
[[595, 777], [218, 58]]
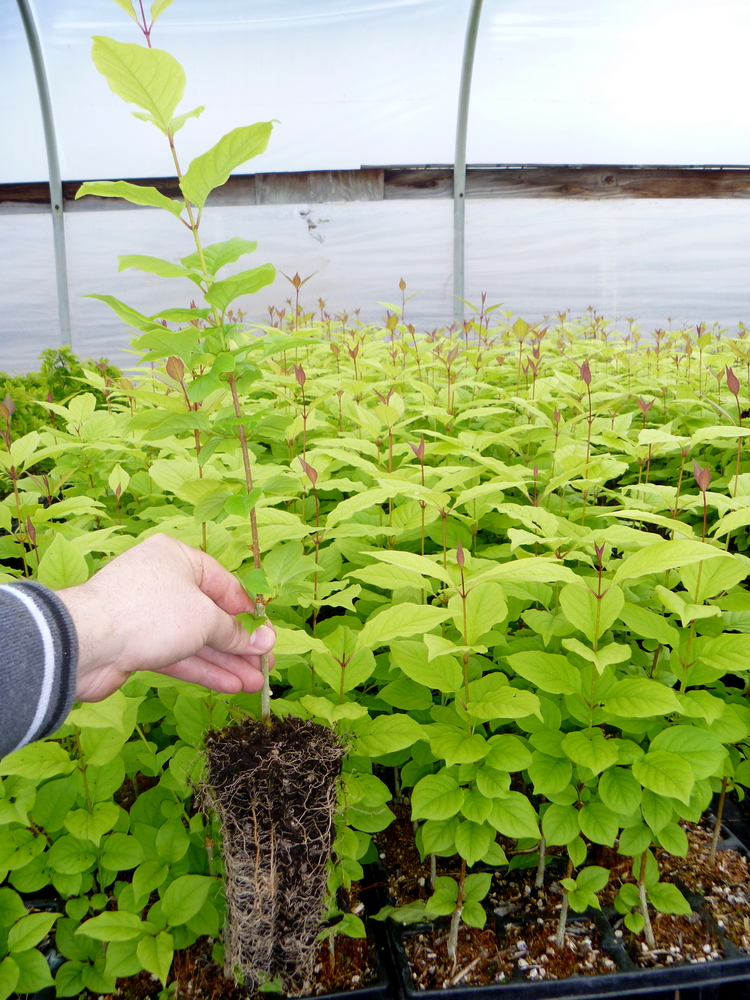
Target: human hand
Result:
[[164, 606]]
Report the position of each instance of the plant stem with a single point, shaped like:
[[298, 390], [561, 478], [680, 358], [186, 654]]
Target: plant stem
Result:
[[717, 824], [647, 928], [452, 945]]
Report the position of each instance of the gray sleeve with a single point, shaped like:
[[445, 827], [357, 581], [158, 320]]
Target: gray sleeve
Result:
[[38, 662]]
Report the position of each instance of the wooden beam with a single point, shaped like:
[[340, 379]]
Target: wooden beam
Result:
[[397, 182]]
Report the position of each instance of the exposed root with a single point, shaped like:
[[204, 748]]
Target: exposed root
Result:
[[274, 789]]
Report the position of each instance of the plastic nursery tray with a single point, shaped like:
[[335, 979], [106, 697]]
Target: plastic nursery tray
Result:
[[726, 978]]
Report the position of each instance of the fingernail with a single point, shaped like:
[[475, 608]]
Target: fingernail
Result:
[[263, 637]]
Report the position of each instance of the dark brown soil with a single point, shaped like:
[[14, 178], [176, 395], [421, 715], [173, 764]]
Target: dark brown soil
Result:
[[274, 788], [200, 978]]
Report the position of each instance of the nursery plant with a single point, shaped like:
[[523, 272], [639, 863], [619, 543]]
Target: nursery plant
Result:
[[507, 580]]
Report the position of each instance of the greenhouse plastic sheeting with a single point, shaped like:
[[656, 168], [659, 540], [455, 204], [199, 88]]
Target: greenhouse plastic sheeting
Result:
[[376, 82], [648, 259]]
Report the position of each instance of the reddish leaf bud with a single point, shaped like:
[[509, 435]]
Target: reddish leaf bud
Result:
[[585, 371], [644, 406], [418, 449], [402, 285], [702, 476], [10, 406], [733, 383], [557, 416], [175, 369], [299, 374], [460, 558], [31, 531], [311, 474]]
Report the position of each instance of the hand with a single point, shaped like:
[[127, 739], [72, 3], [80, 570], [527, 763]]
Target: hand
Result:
[[164, 606]]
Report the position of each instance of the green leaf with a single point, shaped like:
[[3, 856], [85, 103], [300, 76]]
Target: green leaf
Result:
[[154, 265], [549, 775], [634, 840], [514, 817], [657, 810], [590, 614], [33, 971], [112, 926], [149, 78], [667, 898], [476, 806], [94, 823], [640, 698], [473, 840], [493, 784], [436, 796], [37, 761], [548, 671], [474, 915], [127, 6], [476, 886], [218, 255], [729, 653], [674, 839], [560, 824], [594, 751], [401, 620], [485, 607], [172, 841], [222, 293], [507, 753], [9, 973], [11, 907], [213, 168], [121, 852], [577, 851], [599, 824], [665, 774], [185, 896], [662, 556], [456, 746], [388, 733], [157, 9], [700, 749], [592, 879], [62, 565], [648, 625], [439, 836], [68, 855], [30, 930], [155, 955], [619, 791], [136, 194]]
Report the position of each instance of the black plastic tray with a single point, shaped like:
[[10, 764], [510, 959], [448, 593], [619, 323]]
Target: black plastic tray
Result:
[[727, 978]]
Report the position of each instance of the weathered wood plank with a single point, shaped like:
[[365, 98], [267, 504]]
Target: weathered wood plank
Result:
[[319, 187], [376, 184]]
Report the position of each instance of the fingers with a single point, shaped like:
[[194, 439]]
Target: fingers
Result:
[[221, 586], [199, 669]]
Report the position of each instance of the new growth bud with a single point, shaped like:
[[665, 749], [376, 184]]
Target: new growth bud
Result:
[[702, 476], [733, 383], [460, 557], [585, 371]]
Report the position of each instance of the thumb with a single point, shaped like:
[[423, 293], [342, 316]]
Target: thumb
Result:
[[227, 635]]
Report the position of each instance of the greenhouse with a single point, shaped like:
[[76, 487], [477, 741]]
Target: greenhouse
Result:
[[374, 499]]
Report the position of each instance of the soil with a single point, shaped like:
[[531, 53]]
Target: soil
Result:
[[199, 977], [523, 943], [274, 789]]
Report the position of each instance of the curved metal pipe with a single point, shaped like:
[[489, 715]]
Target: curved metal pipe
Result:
[[459, 165], [53, 165]]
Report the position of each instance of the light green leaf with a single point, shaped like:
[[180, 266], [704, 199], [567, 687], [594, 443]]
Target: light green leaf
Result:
[[605, 657], [590, 614], [184, 897], [485, 607], [599, 824], [136, 194], [549, 775], [647, 625], [157, 9], [30, 930], [154, 265], [222, 293], [594, 751], [150, 78], [62, 565], [619, 791], [729, 653], [640, 698], [400, 621], [92, 824], [662, 556], [473, 840], [436, 796], [508, 753], [442, 673], [38, 761], [388, 733], [665, 774], [112, 926], [592, 879], [218, 255], [560, 824], [155, 953], [212, 169], [514, 817], [548, 671], [493, 783], [9, 973], [667, 898], [674, 839], [700, 749], [456, 746], [127, 6]]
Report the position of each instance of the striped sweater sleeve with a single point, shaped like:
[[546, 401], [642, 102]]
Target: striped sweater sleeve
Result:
[[38, 661]]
